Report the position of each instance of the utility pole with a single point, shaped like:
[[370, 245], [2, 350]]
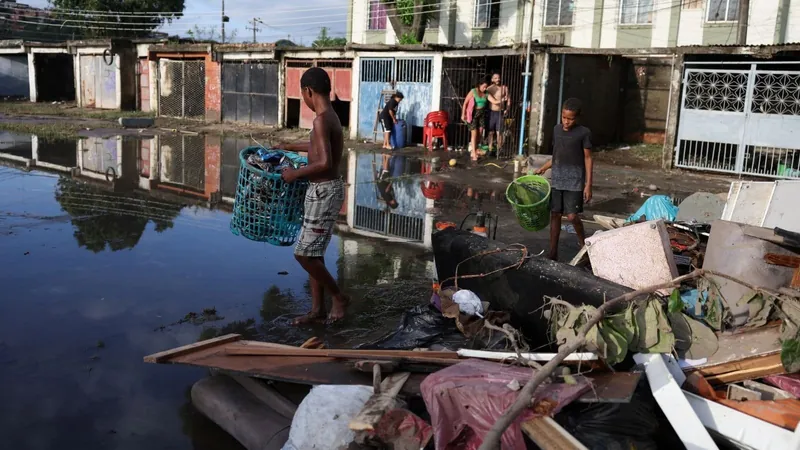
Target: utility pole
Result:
[[527, 76], [744, 15], [222, 18], [255, 28]]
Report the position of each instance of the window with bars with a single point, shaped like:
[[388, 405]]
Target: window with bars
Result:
[[723, 10], [487, 14], [376, 15], [558, 13], [636, 12]]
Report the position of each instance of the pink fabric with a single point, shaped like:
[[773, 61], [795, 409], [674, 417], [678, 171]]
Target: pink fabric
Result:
[[470, 109], [789, 383], [465, 400]]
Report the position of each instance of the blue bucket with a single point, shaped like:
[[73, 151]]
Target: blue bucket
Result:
[[266, 208], [398, 137]]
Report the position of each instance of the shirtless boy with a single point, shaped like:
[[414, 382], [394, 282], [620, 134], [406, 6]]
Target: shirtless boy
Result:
[[324, 197]]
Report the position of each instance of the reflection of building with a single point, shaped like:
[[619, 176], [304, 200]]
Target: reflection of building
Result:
[[367, 210]]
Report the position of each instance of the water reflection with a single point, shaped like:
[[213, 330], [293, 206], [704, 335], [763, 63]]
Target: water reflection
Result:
[[165, 201]]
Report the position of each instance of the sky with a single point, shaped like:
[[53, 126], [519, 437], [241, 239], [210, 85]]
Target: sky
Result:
[[298, 21]]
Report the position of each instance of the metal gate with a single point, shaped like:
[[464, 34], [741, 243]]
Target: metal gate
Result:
[[250, 92], [411, 76], [742, 121], [98, 81], [459, 76], [182, 88]]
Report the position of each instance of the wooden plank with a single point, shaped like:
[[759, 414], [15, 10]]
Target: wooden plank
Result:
[[549, 435], [254, 350], [750, 370], [379, 403], [290, 354], [161, 357], [782, 260]]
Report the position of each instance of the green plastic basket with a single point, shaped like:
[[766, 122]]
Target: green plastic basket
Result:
[[531, 205]]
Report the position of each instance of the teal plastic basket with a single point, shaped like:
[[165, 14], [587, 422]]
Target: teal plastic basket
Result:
[[266, 208]]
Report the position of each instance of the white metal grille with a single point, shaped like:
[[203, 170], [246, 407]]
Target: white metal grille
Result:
[[716, 91], [777, 93], [740, 121], [389, 223], [182, 89]]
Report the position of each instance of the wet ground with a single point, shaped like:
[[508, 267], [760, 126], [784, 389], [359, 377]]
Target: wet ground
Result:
[[115, 248]]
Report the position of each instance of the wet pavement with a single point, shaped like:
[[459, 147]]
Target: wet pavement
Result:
[[114, 248]]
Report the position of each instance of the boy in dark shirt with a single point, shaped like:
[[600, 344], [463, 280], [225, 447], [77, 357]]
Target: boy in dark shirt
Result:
[[324, 197], [389, 117], [571, 181]]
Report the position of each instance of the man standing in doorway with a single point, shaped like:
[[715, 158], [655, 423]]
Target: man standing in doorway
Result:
[[498, 111]]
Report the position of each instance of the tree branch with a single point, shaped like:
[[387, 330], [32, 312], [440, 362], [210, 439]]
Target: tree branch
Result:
[[492, 439]]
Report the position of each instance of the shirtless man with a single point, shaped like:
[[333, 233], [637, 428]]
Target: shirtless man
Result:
[[498, 110], [324, 197]]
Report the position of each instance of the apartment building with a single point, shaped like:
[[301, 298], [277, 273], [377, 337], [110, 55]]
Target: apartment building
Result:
[[587, 23]]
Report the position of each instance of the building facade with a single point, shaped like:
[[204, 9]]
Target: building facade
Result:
[[587, 23]]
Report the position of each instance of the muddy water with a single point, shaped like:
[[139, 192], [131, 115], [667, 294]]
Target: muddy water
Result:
[[105, 264]]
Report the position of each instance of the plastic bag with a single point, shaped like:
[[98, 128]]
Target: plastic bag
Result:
[[466, 399], [468, 303], [655, 208], [421, 326], [639, 424], [322, 419]]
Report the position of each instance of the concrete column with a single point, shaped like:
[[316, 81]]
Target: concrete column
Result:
[[355, 86], [76, 68], [281, 91], [32, 76], [352, 160], [118, 63], [436, 80], [154, 81], [671, 134], [538, 92]]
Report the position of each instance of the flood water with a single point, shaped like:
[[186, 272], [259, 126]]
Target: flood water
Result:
[[113, 249]]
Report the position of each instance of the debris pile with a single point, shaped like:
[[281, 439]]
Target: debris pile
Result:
[[686, 333]]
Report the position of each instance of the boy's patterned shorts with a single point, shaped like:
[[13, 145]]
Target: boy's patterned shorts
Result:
[[322, 205]]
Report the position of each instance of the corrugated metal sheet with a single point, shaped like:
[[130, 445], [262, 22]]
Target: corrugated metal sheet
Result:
[[14, 76], [98, 82], [250, 92]]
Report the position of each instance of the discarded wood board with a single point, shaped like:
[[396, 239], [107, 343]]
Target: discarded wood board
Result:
[[549, 435], [609, 387], [379, 403], [677, 409]]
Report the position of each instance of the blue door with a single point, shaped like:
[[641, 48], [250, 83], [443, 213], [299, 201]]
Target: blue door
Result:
[[411, 76]]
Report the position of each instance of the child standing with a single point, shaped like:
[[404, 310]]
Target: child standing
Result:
[[389, 118], [324, 197], [571, 181]]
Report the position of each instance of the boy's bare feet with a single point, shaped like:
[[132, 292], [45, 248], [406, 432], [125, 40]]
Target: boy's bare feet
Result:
[[338, 308], [312, 317]]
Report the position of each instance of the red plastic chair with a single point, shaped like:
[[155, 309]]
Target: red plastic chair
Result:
[[435, 127]]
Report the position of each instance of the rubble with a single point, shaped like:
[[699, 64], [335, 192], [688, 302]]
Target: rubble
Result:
[[700, 320]]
